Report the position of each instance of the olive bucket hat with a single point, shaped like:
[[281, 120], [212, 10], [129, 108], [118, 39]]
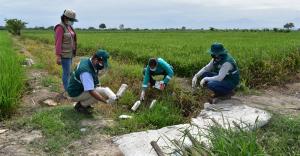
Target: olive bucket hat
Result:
[[104, 55], [217, 49]]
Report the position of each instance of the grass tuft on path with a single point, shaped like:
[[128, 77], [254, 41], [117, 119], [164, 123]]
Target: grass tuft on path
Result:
[[59, 125]]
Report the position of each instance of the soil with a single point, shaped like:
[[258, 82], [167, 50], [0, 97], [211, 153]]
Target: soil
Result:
[[17, 141]]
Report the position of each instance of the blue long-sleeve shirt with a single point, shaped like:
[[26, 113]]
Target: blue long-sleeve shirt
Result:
[[162, 66]]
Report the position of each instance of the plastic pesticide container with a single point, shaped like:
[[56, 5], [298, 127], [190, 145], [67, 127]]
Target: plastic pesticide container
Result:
[[110, 94], [125, 117], [152, 103], [121, 90], [136, 105]]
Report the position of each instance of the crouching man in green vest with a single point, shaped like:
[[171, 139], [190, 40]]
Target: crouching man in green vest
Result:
[[156, 66], [221, 75], [83, 83]]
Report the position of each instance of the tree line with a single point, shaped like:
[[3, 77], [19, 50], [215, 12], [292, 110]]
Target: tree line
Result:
[[14, 26]]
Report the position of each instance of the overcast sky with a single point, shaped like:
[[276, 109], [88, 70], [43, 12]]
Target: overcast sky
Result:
[[157, 13]]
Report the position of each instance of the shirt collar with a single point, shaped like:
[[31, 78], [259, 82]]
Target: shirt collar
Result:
[[93, 65]]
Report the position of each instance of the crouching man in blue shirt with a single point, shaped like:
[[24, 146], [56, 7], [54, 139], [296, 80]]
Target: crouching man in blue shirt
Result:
[[83, 83]]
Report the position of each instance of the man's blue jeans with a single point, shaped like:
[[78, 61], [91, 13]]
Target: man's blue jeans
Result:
[[66, 67], [218, 87]]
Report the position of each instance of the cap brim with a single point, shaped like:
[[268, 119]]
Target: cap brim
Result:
[[220, 53]]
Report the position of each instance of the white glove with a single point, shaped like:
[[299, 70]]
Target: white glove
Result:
[[194, 81], [142, 98], [202, 82], [110, 101], [159, 85], [162, 85]]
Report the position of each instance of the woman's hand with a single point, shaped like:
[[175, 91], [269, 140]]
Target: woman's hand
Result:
[[58, 60]]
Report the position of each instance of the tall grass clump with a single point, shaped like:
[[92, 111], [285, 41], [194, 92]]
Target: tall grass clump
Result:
[[11, 76], [233, 141], [281, 136]]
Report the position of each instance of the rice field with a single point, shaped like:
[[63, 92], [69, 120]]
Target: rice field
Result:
[[264, 58], [11, 76]]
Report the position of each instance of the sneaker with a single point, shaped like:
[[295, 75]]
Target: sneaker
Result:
[[84, 110], [90, 108], [215, 98]]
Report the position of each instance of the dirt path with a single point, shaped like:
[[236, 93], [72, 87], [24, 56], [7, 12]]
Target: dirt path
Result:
[[283, 100]]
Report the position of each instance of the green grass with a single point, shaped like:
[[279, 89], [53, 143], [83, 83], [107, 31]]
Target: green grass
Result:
[[11, 77], [234, 142], [59, 125], [162, 114], [264, 58], [52, 82], [281, 136]]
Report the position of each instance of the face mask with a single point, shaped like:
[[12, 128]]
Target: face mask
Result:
[[153, 69], [99, 66], [70, 23], [216, 58]]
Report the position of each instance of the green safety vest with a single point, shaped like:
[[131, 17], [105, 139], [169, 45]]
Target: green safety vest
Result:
[[233, 76], [75, 87]]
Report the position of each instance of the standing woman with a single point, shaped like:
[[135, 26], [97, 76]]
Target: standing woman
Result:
[[65, 44]]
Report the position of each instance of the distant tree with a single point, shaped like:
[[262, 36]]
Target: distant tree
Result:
[[2, 27], [91, 28], [121, 26], [14, 26], [102, 26], [39, 28], [275, 29], [266, 29], [183, 28], [289, 25], [212, 29], [50, 28]]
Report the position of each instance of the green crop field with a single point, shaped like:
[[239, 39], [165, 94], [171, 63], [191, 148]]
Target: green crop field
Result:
[[11, 77], [264, 57]]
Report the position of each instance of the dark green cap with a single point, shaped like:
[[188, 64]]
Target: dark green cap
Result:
[[104, 55]]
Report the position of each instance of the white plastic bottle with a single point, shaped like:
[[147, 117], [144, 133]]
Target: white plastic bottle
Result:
[[125, 117], [152, 103], [121, 90], [136, 105]]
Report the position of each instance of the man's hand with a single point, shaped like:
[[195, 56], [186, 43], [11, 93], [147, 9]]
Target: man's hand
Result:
[[202, 82], [142, 97], [97, 96], [194, 81], [110, 101], [58, 60]]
